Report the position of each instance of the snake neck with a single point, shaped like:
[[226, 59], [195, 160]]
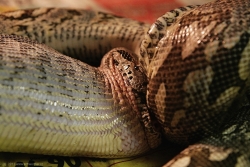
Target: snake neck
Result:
[[91, 110], [128, 82]]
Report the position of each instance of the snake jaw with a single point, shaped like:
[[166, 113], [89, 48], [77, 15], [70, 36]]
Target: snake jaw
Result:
[[123, 65]]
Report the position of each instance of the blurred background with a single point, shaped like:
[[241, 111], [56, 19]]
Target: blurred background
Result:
[[142, 10]]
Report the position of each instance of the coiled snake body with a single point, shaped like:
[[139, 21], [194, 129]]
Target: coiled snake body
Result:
[[185, 77]]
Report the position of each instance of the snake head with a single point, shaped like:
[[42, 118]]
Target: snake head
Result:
[[133, 73]]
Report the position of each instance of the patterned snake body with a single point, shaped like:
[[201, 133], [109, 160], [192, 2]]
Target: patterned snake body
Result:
[[188, 71], [199, 68], [75, 32]]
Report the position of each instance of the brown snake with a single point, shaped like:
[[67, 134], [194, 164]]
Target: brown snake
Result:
[[187, 77]]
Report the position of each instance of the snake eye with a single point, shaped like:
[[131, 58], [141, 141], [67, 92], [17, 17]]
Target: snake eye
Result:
[[136, 67]]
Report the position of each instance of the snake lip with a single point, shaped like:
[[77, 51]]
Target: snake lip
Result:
[[131, 80]]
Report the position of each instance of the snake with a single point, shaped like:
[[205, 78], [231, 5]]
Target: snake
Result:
[[86, 83]]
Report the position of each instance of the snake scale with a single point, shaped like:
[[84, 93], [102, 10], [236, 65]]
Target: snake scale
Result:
[[186, 77]]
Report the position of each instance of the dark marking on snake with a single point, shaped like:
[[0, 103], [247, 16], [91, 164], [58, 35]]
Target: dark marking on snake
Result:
[[125, 55], [229, 65]]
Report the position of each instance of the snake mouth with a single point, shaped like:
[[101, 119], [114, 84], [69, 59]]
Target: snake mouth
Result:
[[123, 70]]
